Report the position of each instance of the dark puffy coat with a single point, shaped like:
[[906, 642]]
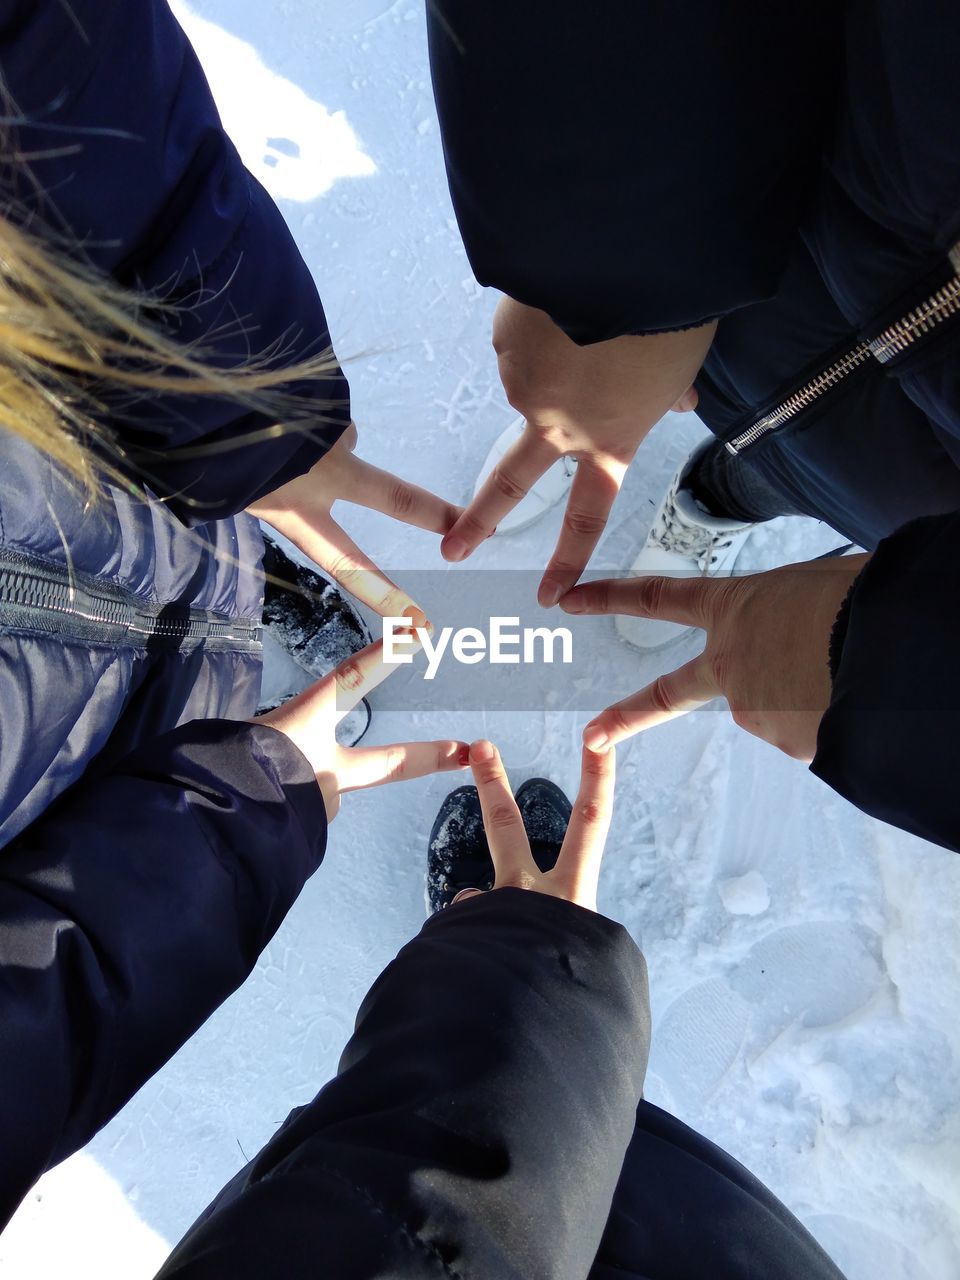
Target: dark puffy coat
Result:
[[140, 876], [794, 172]]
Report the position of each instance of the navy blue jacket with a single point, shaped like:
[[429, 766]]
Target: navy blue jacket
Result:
[[130, 167], [793, 172], [150, 840]]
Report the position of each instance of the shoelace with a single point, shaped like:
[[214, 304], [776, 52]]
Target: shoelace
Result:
[[675, 535]]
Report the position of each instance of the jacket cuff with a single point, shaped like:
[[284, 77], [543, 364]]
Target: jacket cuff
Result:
[[838, 632], [885, 740]]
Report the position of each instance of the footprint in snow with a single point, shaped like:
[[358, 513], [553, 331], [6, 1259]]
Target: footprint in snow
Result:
[[816, 974], [811, 975], [696, 1042]]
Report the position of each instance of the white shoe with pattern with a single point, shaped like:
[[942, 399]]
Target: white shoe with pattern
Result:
[[684, 541]]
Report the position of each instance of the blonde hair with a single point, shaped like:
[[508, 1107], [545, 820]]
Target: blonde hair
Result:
[[71, 339]]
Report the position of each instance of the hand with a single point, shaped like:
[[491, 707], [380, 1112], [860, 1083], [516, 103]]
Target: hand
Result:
[[300, 510], [577, 872], [768, 637], [596, 403], [310, 721]]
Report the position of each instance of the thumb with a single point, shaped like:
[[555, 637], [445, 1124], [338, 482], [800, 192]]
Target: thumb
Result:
[[669, 696]]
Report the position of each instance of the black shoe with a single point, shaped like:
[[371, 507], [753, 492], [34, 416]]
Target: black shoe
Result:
[[309, 616], [458, 856], [312, 621]]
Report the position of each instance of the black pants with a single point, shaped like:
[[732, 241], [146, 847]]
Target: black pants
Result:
[[684, 1209], [733, 488]]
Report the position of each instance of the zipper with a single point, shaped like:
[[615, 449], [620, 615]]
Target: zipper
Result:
[[886, 346], [37, 595], [918, 322]]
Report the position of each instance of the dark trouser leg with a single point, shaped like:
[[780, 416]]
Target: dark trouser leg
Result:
[[685, 1210], [731, 487]]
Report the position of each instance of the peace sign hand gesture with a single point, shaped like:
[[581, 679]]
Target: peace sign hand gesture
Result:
[[301, 511], [768, 639], [577, 871], [310, 721]]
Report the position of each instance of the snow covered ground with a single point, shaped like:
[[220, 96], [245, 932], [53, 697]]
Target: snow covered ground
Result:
[[804, 960]]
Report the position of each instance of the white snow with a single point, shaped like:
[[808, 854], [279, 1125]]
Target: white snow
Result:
[[746, 895], [804, 959], [290, 142]]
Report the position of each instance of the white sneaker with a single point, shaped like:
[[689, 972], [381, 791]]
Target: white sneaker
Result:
[[552, 487], [684, 541]]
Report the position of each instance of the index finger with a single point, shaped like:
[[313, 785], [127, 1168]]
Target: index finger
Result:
[[594, 491], [379, 490], [690, 600], [672, 695], [359, 675], [332, 548], [510, 480], [506, 835], [582, 851]]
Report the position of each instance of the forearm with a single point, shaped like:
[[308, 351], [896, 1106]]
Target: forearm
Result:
[[128, 913]]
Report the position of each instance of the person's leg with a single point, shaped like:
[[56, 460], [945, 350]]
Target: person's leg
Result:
[[732, 488], [685, 1210]]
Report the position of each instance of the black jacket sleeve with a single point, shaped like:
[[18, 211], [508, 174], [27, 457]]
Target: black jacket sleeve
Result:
[[128, 913], [632, 167], [887, 741], [131, 169], [478, 1123]]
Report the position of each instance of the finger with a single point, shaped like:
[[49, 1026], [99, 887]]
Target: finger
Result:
[[334, 550], [690, 600], [593, 493], [510, 480], [672, 695], [688, 401], [355, 678], [582, 851], [348, 440], [506, 837], [378, 490], [374, 766]]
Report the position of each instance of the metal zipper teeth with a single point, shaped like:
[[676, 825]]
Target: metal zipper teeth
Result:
[[803, 398], [930, 313], [36, 592], [30, 591], [894, 340]]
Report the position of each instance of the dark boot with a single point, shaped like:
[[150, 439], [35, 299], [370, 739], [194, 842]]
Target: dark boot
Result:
[[316, 625], [458, 856]]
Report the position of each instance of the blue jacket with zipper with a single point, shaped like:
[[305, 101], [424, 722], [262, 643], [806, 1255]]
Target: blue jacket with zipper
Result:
[[152, 841], [792, 171]]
